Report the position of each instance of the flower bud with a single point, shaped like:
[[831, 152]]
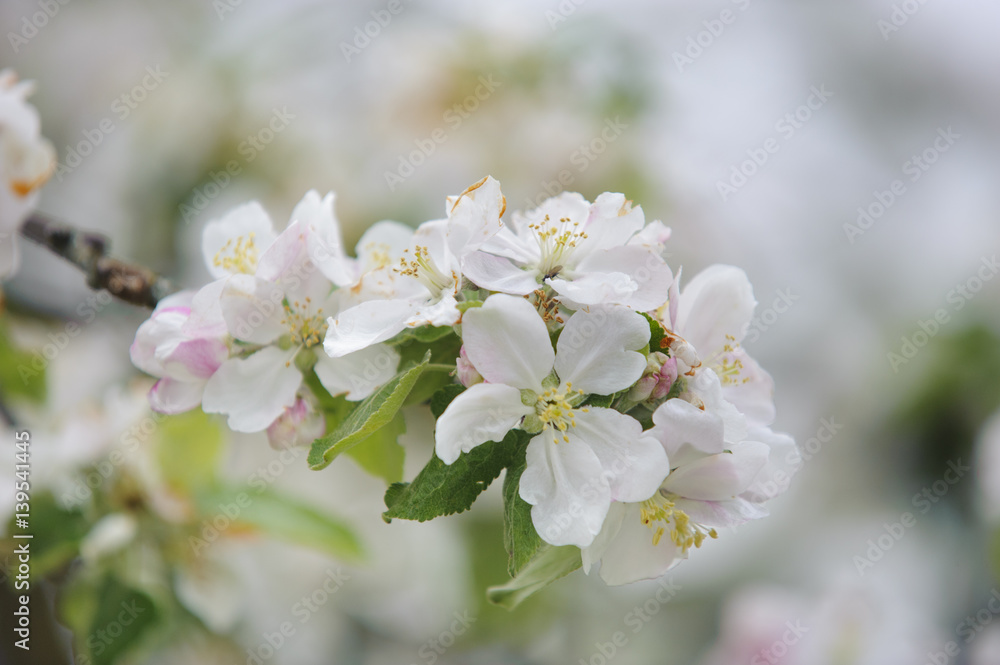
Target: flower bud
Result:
[[299, 425], [656, 381], [467, 374]]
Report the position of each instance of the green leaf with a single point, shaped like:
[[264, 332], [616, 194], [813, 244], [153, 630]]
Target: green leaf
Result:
[[519, 536], [380, 454], [549, 564], [656, 334], [442, 489], [121, 612], [443, 397], [189, 449], [22, 373], [367, 418], [284, 518]]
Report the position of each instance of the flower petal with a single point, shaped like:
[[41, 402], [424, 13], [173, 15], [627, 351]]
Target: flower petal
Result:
[[596, 351], [612, 221], [634, 465], [474, 215], [687, 432], [783, 461], [721, 514], [631, 556], [253, 391], [484, 412], [171, 396], [193, 359], [507, 341], [717, 303], [220, 236], [382, 245], [753, 392], [358, 374], [497, 273], [325, 243], [718, 477], [252, 309], [368, 323], [566, 489], [648, 274], [594, 288]]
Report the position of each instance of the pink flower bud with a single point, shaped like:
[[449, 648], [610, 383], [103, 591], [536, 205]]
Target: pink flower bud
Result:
[[299, 425], [467, 374]]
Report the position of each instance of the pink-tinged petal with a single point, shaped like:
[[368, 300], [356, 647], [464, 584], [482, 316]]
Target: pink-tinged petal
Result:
[[195, 359], [631, 556], [253, 309], [612, 221], [648, 274], [566, 489], [634, 464], [654, 235], [220, 236], [507, 341], [299, 425], [163, 328], [718, 477], [497, 273], [687, 432], [287, 264], [717, 303], [171, 396], [357, 374], [484, 412], [370, 322], [253, 391], [721, 514], [596, 351], [753, 391], [206, 318]]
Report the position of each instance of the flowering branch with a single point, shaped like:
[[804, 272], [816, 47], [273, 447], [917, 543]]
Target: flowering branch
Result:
[[88, 251]]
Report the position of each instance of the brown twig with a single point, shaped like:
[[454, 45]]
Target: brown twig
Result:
[[129, 283]]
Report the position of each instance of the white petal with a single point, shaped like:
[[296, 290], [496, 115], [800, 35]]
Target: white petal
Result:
[[634, 464], [648, 274], [783, 461], [718, 477], [631, 556], [497, 273], [706, 385], [358, 374], [239, 222], [382, 245], [206, 318], [287, 264], [253, 309], [594, 288], [609, 531], [474, 215], [171, 396], [753, 392], [507, 341], [596, 351], [324, 242], [484, 412], [717, 302], [569, 495], [368, 323], [253, 391], [721, 514], [687, 432], [444, 312], [612, 221]]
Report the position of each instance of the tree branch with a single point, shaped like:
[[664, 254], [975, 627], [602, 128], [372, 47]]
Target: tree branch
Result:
[[88, 251]]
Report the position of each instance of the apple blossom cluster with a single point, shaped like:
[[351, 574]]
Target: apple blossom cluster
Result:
[[27, 159], [557, 345]]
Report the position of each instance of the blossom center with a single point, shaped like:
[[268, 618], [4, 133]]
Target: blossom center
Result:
[[727, 366], [659, 514], [556, 241], [555, 409], [307, 327], [423, 268], [238, 257]]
